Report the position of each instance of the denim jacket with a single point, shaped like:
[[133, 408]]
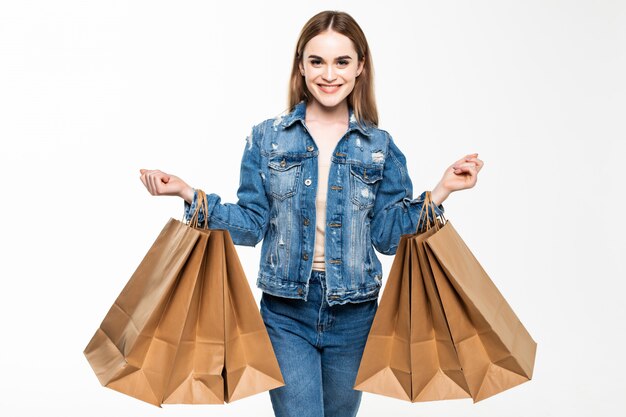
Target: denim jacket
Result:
[[369, 205]]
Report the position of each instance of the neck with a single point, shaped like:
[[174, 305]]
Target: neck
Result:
[[337, 114]]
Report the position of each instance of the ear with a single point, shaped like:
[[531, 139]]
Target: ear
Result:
[[360, 67], [301, 67]]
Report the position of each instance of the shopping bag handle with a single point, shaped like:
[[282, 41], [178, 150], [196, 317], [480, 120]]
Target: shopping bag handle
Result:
[[426, 220], [201, 202]]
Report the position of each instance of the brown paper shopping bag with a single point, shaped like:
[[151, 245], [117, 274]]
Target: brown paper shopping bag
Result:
[[166, 338], [493, 346], [436, 369], [225, 353], [197, 375], [251, 365], [409, 353], [465, 339], [125, 350], [385, 365]]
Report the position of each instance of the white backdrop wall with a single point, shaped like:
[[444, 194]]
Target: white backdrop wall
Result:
[[90, 92]]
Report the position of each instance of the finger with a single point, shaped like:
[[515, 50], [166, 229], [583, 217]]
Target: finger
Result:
[[475, 163], [157, 184], [144, 175], [160, 180], [478, 163], [472, 159], [471, 169], [473, 175], [468, 175], [150, 183], [465, 164], [469, 155]]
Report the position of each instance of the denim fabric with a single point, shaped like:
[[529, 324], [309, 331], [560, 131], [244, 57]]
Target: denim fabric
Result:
[[319, 349], [369, 206]]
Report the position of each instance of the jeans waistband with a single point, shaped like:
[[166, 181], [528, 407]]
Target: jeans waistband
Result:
[[317, 276]]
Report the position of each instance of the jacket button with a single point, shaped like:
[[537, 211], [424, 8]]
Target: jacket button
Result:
[[307, 181], [305, 256], [300, 291], [309, 148], [283, 163], [306, 222]]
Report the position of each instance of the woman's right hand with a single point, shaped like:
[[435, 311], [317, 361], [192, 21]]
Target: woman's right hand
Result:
[[160, 183]]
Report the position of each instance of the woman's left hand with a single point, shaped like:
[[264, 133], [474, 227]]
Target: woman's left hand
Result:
[[462, 174]]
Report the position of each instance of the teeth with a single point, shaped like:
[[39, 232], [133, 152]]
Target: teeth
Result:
[[329, 87]]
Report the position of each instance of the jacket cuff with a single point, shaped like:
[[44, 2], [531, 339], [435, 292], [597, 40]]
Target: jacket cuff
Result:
[[190, 208], [212, 200]]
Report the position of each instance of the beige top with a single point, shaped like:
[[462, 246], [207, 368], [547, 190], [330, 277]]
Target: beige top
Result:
[[325, 148]]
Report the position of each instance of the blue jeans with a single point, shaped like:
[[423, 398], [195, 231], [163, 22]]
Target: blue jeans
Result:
[[319, 349]]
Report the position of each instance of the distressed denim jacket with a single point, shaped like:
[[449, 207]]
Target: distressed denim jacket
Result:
[[369, 205]]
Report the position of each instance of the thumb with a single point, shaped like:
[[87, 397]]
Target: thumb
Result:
[[165, 179]]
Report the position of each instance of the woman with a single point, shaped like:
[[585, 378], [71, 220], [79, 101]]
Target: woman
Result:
[[322, 186]]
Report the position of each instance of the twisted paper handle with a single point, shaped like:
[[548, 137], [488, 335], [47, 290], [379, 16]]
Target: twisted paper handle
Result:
[[426, 220], [201, 202]]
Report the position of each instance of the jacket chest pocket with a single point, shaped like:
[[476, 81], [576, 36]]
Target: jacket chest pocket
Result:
[[284, 170], [364, 181]]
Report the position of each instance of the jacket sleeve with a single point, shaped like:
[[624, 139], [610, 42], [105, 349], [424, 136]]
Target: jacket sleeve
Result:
[[246, 221], [395, 211]]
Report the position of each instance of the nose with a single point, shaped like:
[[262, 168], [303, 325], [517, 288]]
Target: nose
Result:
[[329, 75]]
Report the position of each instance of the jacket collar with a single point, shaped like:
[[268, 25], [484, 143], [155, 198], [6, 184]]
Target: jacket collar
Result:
[[299, 112]]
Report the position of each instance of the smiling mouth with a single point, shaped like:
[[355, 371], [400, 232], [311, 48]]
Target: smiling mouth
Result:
[[329, 88]]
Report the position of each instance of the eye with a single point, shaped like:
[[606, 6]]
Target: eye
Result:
[[343, 62], [315, 62]]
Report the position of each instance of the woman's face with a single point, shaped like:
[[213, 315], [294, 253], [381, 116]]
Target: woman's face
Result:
[[330, 66]]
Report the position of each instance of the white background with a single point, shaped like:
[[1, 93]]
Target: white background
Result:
[[90, 92]]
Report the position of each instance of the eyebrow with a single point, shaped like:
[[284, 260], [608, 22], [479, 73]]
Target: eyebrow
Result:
[[339, 57]]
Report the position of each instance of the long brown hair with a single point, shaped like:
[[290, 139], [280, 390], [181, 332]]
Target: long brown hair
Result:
[[361, 98]]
